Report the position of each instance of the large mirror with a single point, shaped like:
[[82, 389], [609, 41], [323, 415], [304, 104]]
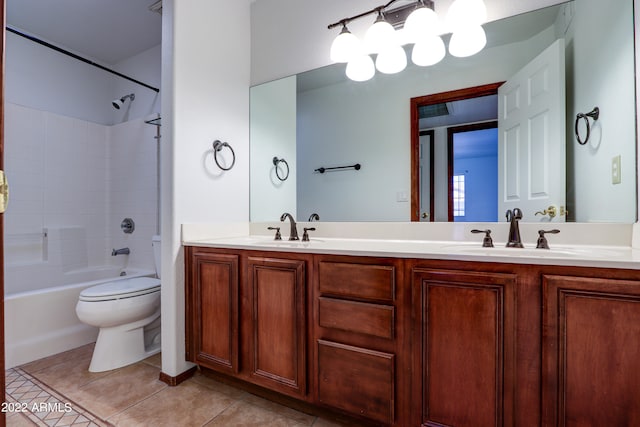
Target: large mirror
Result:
[[319, 119]]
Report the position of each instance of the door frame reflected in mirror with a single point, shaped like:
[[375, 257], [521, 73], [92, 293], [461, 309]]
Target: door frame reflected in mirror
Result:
[[451, 132], [436, 98]]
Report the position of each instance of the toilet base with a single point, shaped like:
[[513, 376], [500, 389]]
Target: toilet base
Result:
[[123, 345]]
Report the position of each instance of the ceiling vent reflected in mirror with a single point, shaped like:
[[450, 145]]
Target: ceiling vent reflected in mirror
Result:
[[434, 110]]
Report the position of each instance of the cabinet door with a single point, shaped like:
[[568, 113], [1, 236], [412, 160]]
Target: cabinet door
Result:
[[276, 291], [212, 298], [590, 352], [464, 347]]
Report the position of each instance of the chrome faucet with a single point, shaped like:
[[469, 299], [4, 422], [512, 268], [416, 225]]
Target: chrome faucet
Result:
[[513, 216], [122, 251], [293, 234], [314, 216]]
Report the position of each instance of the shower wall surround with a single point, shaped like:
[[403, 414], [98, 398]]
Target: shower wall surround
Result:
[[72, 183]]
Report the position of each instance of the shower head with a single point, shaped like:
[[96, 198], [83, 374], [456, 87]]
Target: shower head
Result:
[[118, 103]]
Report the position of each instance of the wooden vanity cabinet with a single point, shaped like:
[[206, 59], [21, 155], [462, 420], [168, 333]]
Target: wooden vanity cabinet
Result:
[[591, 351], [247, 316], [422, 343], [360, 320]]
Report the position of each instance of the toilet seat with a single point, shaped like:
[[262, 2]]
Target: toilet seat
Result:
[[121, 289]]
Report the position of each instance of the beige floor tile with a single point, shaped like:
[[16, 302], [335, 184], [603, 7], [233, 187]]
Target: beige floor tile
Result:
[[189, 404], [300, 417], [69, 375], [212, 384], [117, 391], [19, 420], [80, 354], [134, 397], [155, 360], [321, 422], [245, 414]]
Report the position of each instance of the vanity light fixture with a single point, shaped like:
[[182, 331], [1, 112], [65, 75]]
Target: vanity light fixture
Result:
[[415, 23], [465, 19], [345, 46]]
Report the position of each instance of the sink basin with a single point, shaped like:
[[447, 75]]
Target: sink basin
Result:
[[270, 242], [558, 252], [285, 243]]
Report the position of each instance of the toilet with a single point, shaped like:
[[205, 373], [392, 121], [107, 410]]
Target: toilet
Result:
[[127, 311]]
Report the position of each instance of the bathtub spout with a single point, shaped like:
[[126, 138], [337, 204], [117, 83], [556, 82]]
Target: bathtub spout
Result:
[[123, 251]]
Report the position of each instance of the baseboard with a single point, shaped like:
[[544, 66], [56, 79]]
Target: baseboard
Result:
[[174, 381]]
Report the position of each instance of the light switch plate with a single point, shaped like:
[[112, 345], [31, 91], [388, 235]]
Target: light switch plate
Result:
[[615, 170]]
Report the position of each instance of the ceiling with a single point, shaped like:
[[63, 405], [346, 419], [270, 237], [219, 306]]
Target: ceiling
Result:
[[108, 31]]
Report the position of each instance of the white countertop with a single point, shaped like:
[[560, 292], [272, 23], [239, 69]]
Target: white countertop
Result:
[[603, 256]]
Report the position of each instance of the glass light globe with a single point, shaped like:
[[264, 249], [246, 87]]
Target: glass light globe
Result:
[[467, 41], [345, 46], [428, 51], [360, 68], [422, 22], [391, 60], [464, 13], [379, 36]]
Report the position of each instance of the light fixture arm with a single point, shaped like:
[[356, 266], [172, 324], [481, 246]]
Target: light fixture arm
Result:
[[379, 9]]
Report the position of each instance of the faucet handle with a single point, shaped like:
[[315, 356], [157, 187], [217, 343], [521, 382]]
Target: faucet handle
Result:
[[305, 235], [542, 240], [487, 242], [278, 235]]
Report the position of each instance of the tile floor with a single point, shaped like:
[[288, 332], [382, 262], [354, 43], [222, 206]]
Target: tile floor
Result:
[[60, 391]]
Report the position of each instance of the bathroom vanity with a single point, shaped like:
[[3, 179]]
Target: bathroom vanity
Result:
[[420, 333]]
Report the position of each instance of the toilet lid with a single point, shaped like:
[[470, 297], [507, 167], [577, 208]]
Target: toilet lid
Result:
[[125, 288]]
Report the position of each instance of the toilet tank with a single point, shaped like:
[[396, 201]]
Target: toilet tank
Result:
[[157, 255]]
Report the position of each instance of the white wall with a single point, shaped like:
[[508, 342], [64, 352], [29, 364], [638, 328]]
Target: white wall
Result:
[[273, 134], [46, 80], [598, 44], [205, 96], [288, 37], [40, 78]]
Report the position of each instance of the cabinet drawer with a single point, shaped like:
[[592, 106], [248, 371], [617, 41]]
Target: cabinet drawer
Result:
[[363, 318], [356, 380], [362, 281]]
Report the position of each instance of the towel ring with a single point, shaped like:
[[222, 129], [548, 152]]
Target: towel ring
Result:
[[594, 114], [218, 146], [276, 161]]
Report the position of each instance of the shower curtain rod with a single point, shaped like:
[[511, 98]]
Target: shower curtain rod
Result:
[[79, 58]]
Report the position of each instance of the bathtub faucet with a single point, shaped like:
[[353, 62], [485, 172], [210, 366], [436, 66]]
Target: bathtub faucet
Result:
[[123, 251]]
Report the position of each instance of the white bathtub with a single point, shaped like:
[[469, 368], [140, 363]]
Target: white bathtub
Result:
[[39, 323]]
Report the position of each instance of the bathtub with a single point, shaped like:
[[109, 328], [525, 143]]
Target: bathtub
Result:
[[42, 322]]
